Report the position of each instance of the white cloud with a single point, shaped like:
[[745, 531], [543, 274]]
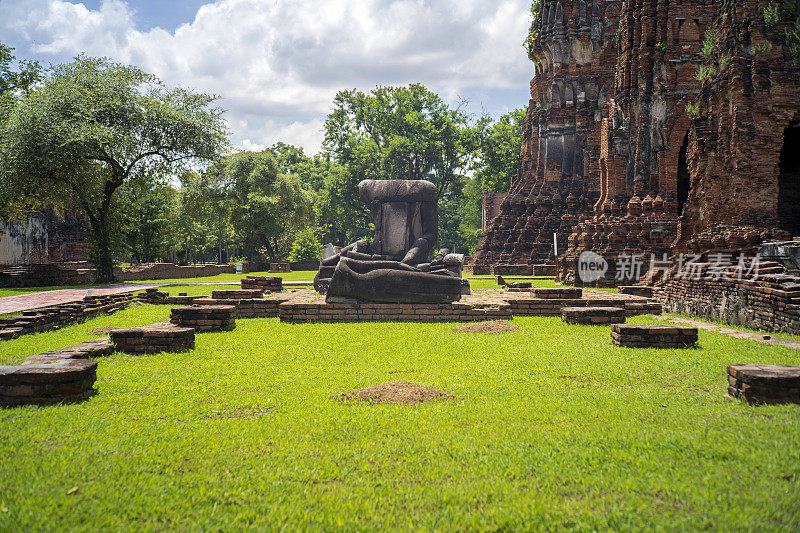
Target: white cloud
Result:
[[277, 64]]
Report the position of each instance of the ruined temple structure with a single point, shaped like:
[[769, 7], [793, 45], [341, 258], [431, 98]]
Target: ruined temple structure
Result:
[[644, 178], [744, 145], [43, 237], [575, 54], [680, 132]]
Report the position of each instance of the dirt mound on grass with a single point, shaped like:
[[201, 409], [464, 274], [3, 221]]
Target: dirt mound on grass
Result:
[[495, 326], [101, 331], [396, 392]]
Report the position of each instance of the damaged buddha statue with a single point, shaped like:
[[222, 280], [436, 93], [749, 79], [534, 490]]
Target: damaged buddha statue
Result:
[[395, 267]]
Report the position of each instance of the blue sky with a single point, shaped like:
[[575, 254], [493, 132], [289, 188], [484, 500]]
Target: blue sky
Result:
[[167, 14], [277, 64]]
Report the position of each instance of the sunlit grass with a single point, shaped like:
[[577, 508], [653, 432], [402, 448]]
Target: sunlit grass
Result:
[[552, 428]]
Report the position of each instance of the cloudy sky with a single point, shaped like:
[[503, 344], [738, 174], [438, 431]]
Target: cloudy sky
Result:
[[278, 63]]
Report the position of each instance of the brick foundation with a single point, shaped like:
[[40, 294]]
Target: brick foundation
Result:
[[769, 384], [653, 336], [769, 303], [49, 318], [593, 315], [155, 338], [205, 318], [317, 310], [63, 380]]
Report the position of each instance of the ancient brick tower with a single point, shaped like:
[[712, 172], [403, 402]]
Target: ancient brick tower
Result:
[[575, 56], [744, 144], [644, 179], [694, 141]]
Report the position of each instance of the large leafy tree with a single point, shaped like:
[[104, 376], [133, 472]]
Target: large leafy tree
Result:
[[265, 208], [148, 209], [395, 133], [498, 158], [93, 125], [17, 78]]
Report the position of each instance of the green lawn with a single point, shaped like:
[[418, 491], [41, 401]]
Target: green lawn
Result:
[[552, 428], [27, 290], [300, 275]]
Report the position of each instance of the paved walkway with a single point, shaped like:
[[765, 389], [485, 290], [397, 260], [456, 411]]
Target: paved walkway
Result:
[[765, 338], [35, 300]]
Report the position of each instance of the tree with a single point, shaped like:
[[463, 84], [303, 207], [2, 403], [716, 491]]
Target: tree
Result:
[[148, 209], [264, 207], [91, 126], [306, 246], [14, 83], [499, 143], [395, 133]]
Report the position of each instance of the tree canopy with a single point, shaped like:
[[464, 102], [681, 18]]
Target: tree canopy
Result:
[[93, 124]]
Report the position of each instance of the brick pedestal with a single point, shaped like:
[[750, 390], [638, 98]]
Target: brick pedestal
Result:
[[156, 338], [653, 336], [593, 315], [64, 380], [205, 318], [264, 283], [769, 384]]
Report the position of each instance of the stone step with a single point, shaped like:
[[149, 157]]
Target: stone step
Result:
[[653, 336], [62, 380], [593, 315], [155, 338]]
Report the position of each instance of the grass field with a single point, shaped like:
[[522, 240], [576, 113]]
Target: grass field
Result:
[[552, 428]]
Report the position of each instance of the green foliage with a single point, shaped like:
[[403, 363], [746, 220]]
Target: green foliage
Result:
[[535, 29], [245, 433], [692, 109], [705, 72], [707, 48], [91, 126], [392, 133], [498, 159], [306, 246], [772, 15], [792, 41], [257, 206], [661, 47], [146, 207]]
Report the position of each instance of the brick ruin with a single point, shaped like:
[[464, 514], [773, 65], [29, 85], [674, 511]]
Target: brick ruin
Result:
[[575, 57], [655, 128], [43, 237]]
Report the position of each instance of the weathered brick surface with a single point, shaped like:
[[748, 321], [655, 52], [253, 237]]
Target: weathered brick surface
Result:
[[49, 318], [155, 338], [575, 57], [247, 307], [237, 294], [62, 380], [593, 315], [263, 283], [205, 318], [645, 291], [557, 292], [771, 384], [653, 336]]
